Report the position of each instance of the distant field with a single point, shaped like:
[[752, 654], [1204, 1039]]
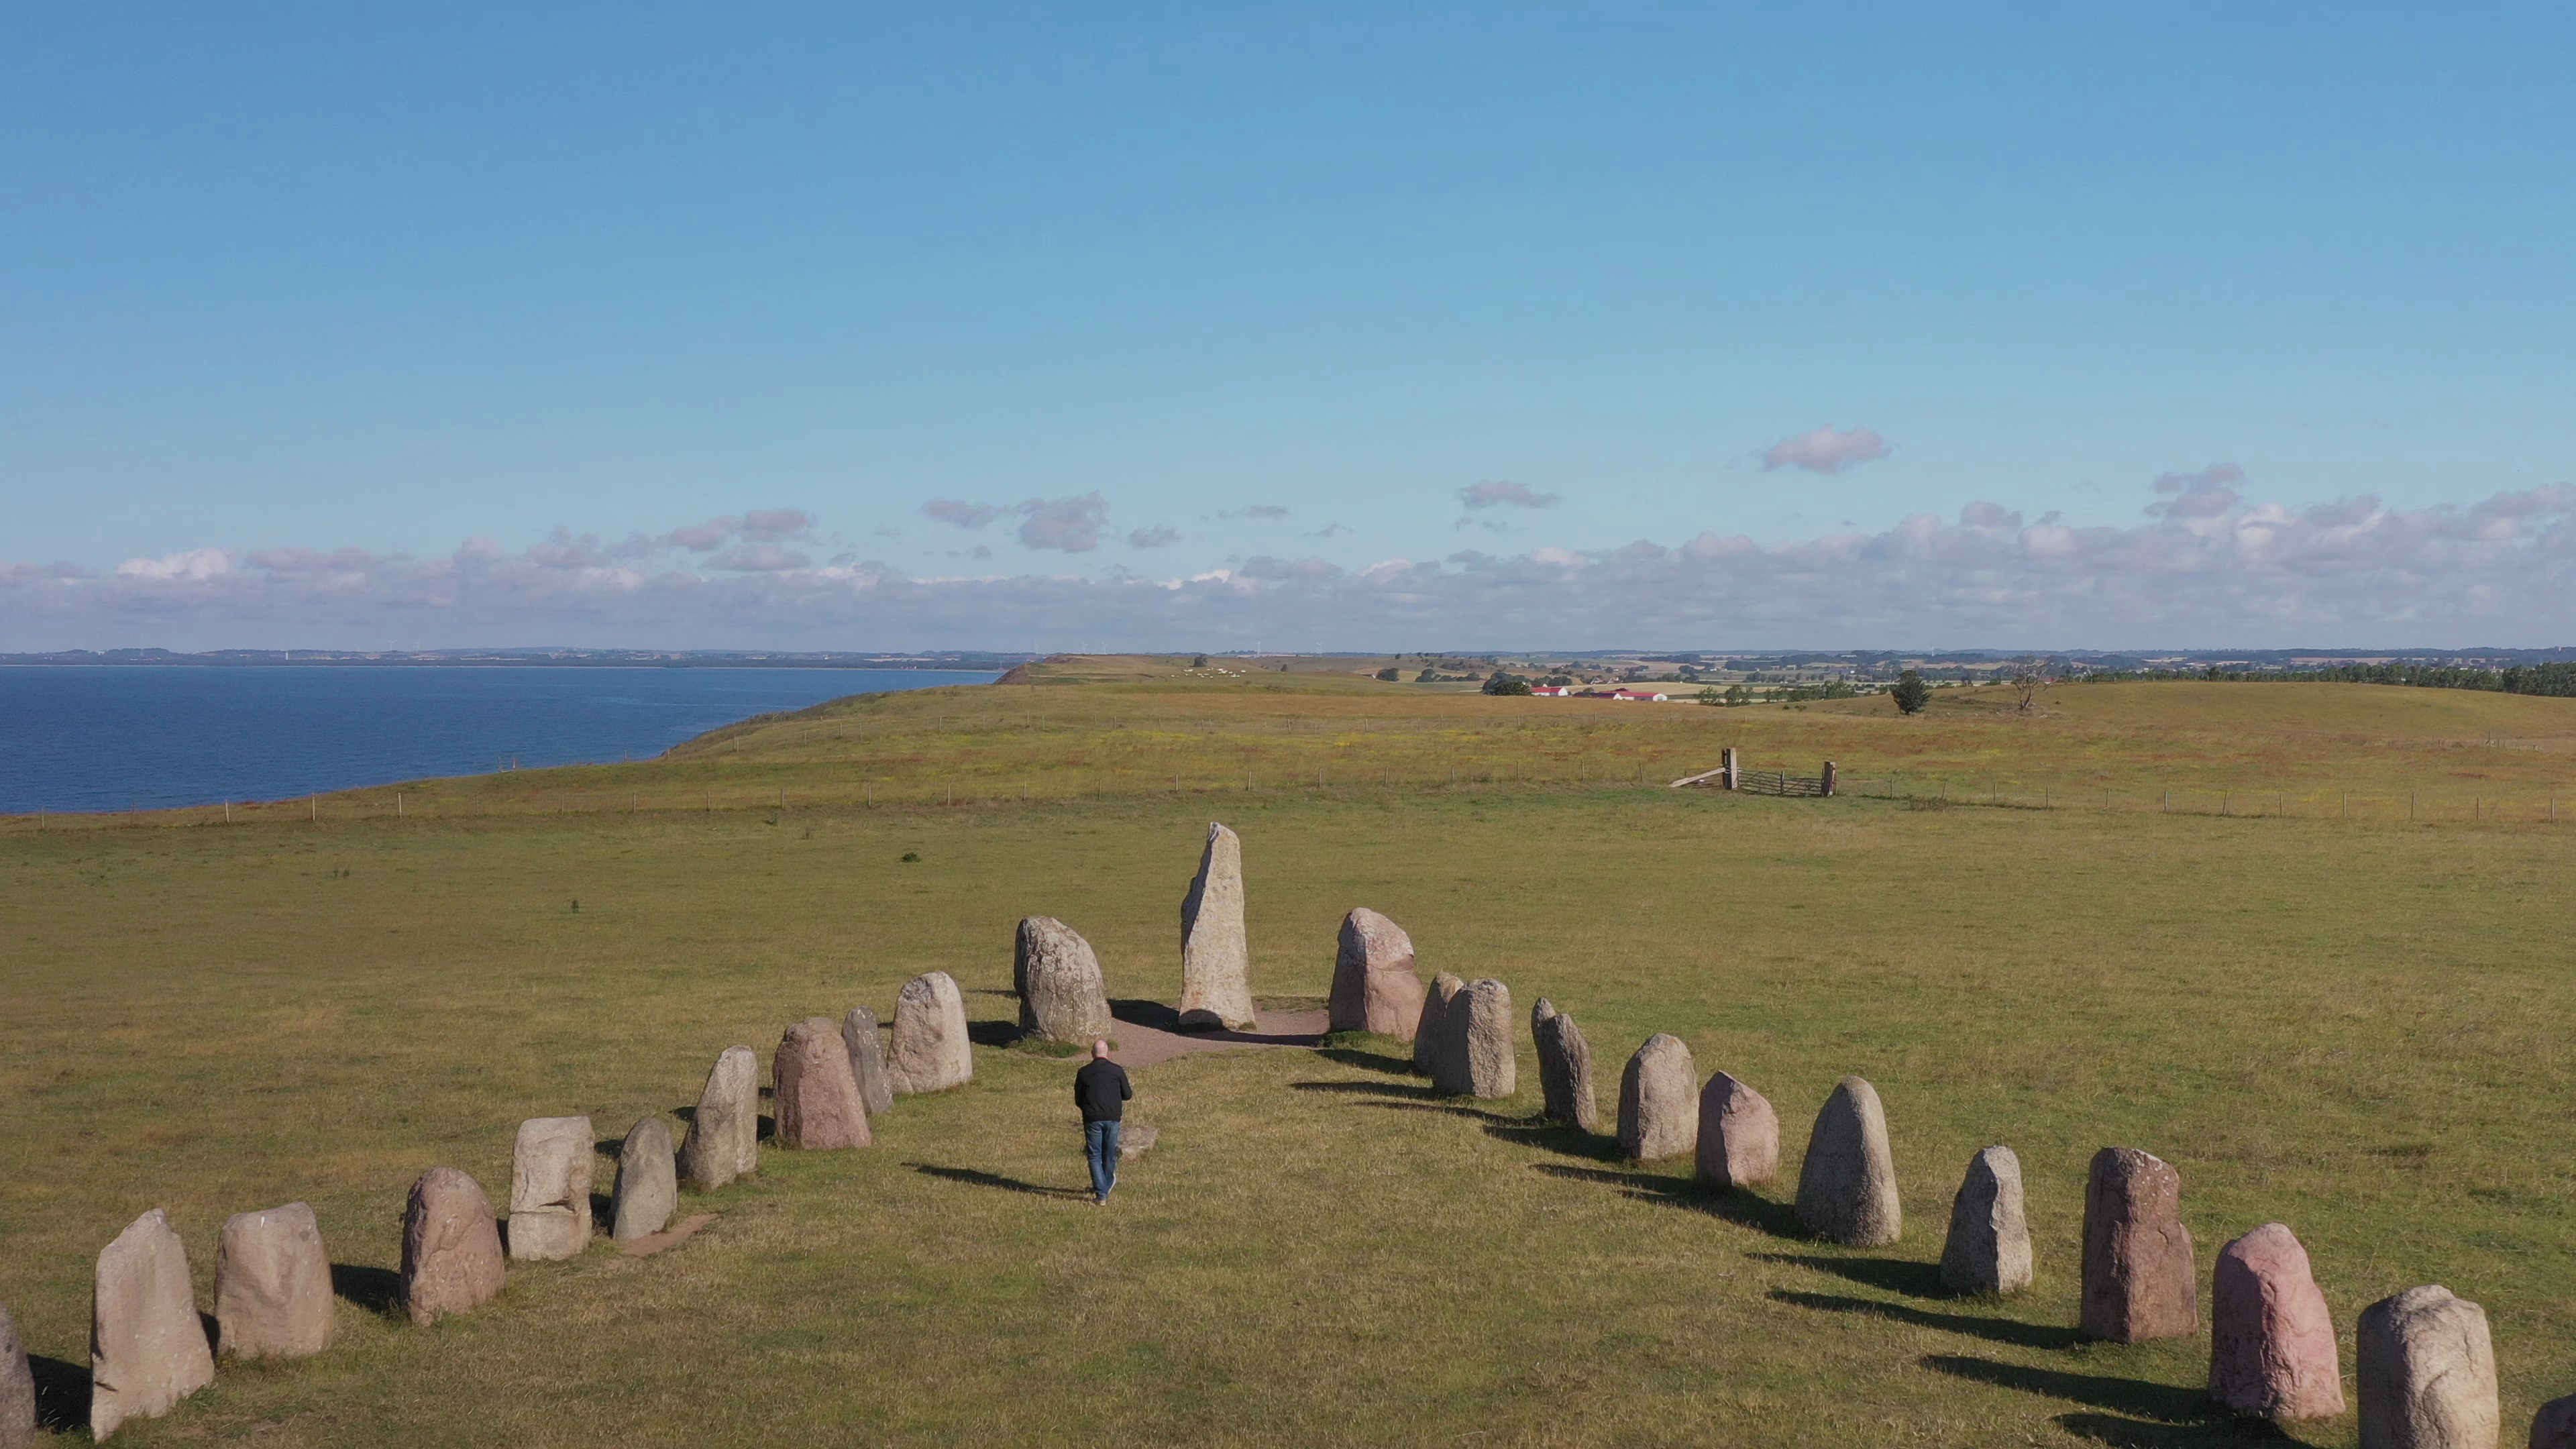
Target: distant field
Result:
[[2351, 1025]]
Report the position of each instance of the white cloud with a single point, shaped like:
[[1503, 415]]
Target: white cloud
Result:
[[1071, 525], [1826, 451], [2353, 571], [1156, 537], [1518, 495]]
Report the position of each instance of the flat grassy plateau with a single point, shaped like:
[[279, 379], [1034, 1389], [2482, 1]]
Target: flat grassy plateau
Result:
[[2331, 1018]]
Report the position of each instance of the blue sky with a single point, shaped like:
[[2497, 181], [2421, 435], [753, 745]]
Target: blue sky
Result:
[[342, 325]]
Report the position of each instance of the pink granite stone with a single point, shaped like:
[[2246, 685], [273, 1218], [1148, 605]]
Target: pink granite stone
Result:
[[2271, 1341]]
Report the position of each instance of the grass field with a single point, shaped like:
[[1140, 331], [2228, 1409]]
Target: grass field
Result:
[[2352, 1025]]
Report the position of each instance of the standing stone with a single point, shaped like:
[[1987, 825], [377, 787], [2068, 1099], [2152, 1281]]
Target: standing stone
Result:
[[1058, 978], [931, 1050], [1988, 1250], [147, 1349], [451, 1256], [724, 1133], [1564, 1068], [2428, 1376], [1847, 1186], [1216, 964], [17, 1389], [1477, 1056], [1659, 1100], [1739, 1135], [1374, 985], [2138, 1274], [814, 1094], [273, 1285], [1431, 1035], [2554, 1427], [648, 1184], [550, 1172], [867, 1059], [2271, 1340]]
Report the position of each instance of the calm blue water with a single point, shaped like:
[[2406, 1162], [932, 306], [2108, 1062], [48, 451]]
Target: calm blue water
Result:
[[107, 738]]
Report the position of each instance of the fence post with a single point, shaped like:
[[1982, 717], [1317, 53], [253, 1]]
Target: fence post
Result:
[[1726, 772], [1829, 778]]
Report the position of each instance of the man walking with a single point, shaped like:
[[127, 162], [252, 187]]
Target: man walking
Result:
[[1102, 1091]]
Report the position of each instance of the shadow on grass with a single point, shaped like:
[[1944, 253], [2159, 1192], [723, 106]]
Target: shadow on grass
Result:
[[1998, 1330], [980, 1178], [1896, 1275], [1351, 1056], [1449, 1106], [1738, 1207], [1411, 1090], [1556, 1137], [62, 1394], [992, 1033], [2164, 1404], [377, 1290], [1146, 1013], [2139, 1434]]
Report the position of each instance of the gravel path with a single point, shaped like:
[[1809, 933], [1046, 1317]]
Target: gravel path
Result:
[[1147, 1035]]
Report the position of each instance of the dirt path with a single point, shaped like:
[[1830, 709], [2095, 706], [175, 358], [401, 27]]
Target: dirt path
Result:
[[1147, 1032]]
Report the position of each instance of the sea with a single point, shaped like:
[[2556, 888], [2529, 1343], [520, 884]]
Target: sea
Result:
[[106, 737]]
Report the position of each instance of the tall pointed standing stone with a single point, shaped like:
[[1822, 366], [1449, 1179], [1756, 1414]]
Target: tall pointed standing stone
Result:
[[1057, 977], [1847, 1185], [273, 1285], [648, 1188], [813, 1094], [1432, 1035], [1564, 1068], [1375, 987], [1659, 1101], [1988, 1250], [17, 1388], [867, 1059], [147, 1349], [932, 1052], [1739, 1135], [451, 1246], [2427, 1371], [2139, 1282], [2271, 1340], [724, 1133], [1216, 962], [550, 1171]]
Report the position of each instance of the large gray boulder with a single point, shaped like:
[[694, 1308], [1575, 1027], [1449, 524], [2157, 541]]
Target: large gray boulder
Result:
[[551, 1168], [1432, 1035], [1564, 1068], [931, 1050], [648, 1182], [2271, 1341], [1739, 1135], [813, 1094], [273, 1285], [2139, 1279], [1375, 987], [1988, 1250], [1477, 1057], [867, 1059], [451, 1247], [724, 1133], [17, 1388], [1058, 979], [1847, 1186], [2427, 1371], [1659, 1101], [1216, 961], [147, 1348]]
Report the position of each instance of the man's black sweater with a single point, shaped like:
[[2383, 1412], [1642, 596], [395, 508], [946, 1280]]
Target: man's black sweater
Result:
[[1101, 1089]]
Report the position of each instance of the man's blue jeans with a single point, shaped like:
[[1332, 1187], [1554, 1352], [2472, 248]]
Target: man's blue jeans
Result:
[[1100, 1141]]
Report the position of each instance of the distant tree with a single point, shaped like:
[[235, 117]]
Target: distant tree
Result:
[[1911, 693], [1426, 676], [1738, 694], [1503, 682], [1199, 663], [2030, 676], [1558, 680], [1390, 673], [1709, 694]]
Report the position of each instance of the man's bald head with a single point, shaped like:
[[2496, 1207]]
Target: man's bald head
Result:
[[1100, 1048]]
